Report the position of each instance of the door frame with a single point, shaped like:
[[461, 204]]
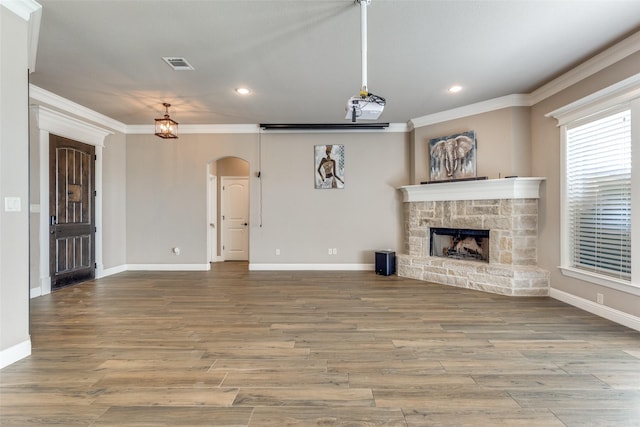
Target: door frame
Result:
[[221, 209], [212, 218], [73, 229], [50, 121]]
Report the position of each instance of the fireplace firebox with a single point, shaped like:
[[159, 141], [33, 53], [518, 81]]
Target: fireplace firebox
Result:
[[459, 243]]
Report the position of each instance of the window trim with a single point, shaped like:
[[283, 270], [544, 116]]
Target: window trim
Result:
[[625, 94]]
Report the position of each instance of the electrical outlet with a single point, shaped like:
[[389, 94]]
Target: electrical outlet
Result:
[[176, 250], [329, 251], [599, 298], [335, 251], [277, 251]]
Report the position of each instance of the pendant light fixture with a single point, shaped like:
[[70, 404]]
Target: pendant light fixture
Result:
[[166, 128]]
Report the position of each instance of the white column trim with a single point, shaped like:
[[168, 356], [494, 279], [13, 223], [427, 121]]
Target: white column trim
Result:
[[45, 278], [69, 127], [98, 218]]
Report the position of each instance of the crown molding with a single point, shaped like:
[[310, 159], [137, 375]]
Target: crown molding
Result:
[[22, 8], [609, 97], [31, 12], [44, 96], [33, 36], [509, 101], [614, 54], [192, 129], [229, 128]]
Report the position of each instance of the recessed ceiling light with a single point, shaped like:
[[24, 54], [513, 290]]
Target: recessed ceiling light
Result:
[[455, 89], [243, 91]]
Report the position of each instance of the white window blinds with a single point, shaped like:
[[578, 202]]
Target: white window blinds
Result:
[[599, 195]]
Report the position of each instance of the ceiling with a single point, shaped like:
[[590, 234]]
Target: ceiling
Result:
[[301, 58]]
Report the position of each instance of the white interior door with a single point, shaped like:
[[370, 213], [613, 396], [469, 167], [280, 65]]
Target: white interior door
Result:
[[212, 218], [235, 218]]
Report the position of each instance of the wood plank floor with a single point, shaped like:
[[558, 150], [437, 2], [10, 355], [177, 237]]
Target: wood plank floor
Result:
[[231, 347]]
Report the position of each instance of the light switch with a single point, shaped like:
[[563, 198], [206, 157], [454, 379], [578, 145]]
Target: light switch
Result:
[[12, 204]]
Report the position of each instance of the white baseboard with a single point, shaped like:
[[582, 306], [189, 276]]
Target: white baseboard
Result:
[[309, 267], [111, 271], [36, 292], [168, 267], [15, 353], [43, 289], [45, 285], [609, 313]]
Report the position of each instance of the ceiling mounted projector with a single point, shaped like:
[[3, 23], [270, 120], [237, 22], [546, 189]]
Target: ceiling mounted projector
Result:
[[366, 105]]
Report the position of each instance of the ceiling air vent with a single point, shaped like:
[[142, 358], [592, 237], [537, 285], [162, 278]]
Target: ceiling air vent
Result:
[[179, 64]]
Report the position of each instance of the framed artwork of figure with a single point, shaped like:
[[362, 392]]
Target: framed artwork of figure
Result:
[[329, 166]]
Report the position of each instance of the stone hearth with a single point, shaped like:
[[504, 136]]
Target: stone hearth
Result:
[[508, 208]]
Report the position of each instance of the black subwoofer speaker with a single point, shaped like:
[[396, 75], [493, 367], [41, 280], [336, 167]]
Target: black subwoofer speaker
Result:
[[385, 263]]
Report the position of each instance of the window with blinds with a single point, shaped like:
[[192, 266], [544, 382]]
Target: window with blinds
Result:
[[598, 195]]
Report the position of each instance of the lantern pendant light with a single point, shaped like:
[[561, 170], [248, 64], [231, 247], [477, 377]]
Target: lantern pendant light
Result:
[[166, 127]]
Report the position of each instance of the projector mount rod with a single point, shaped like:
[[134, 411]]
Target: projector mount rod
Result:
[[363, 40]]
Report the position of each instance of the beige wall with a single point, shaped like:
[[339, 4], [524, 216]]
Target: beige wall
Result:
[[546, 162], [14, 179], [166, 197], [304, 222], [503, 143], [166, 193]]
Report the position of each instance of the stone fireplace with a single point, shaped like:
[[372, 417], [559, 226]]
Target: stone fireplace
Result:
[[479, 235]]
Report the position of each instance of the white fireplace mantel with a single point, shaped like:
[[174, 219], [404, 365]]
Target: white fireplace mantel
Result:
[[484, 189]]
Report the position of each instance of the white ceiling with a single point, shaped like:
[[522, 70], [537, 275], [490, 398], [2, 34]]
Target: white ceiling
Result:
[[302, 58]]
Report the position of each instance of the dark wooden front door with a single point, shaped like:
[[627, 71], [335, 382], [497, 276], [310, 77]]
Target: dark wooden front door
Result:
[[72, 211]]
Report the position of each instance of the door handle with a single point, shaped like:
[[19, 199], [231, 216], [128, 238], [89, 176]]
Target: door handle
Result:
[[212, 225]]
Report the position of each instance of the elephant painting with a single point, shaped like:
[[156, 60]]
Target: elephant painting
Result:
[[453, 157]]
